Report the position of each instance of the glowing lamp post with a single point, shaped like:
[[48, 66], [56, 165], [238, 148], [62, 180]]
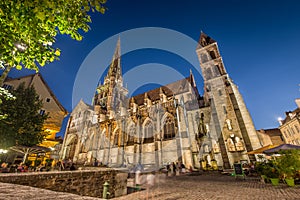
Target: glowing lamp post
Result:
[[2, 151]]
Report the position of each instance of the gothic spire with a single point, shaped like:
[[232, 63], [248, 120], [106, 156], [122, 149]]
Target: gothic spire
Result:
[[115, 71]]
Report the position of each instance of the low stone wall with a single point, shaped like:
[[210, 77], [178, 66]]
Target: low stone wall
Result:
[[81, 182]]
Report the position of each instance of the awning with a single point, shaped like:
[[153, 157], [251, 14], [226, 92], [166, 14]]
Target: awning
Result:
[[260, 150]]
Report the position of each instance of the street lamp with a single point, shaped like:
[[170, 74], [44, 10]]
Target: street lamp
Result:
[[3, 151]]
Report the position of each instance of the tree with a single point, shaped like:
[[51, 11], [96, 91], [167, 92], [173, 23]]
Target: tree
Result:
[[289, 162], [28, 29], [4, 94], [23, 124]]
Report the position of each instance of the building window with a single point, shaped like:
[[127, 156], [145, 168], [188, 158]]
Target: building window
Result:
[[7, 87], [212, 55], [169, 129], [204, 58], [292, 129], [148, 133], [206, 148], [285, 134], [297, 129], [224, 110], [42, 112], [216, 70], [220, 92], [208, 73], [289, 132], [116, 139], [47, 99], [131, 135]]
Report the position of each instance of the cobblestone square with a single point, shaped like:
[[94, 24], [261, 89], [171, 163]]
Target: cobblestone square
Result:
[[191, 187], [216, 186]]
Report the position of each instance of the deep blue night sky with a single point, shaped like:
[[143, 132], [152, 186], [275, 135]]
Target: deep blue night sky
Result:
[[258, 40]]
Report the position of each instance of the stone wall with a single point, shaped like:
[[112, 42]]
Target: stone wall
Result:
[[81, 182]]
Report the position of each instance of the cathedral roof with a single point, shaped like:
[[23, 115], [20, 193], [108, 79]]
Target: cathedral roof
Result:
[[169, 90]]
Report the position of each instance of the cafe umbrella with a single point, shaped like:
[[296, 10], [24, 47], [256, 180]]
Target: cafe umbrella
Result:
[[25, 150], [281, 147]]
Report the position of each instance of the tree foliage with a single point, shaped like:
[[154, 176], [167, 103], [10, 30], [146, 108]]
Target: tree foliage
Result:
[[28, 29], [289, 162], [4, 94], [23, 124]]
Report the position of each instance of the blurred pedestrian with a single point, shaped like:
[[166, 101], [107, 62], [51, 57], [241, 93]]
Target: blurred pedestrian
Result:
[[72, 167], [150, 185]]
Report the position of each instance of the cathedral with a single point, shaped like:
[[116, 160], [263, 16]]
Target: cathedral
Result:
[[172, 123]]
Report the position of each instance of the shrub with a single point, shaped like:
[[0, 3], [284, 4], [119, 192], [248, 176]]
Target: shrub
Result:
[[289, 163]]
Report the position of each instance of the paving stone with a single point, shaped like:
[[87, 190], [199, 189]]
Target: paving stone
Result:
[[199, 187]]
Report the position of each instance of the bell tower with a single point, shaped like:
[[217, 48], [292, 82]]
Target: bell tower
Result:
[[230, 119]]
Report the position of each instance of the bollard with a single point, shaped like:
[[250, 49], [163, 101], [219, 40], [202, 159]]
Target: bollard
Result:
[[105, 190]]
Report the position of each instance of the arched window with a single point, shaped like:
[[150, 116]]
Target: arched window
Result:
[[131, 134], [169, 129], [148, 132], [116, 139]]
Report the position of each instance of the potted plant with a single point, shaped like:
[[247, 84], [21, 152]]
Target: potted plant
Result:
[[288, 165]]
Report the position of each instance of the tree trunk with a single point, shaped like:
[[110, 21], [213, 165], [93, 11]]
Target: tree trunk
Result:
[[4, 74]]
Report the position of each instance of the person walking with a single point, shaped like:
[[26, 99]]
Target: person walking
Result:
[[150, 183]]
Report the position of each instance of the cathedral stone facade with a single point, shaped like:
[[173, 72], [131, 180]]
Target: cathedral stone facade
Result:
[[167, 124]]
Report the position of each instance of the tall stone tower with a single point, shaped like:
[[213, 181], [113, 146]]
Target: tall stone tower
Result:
[[110, 96], [230, 122]]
